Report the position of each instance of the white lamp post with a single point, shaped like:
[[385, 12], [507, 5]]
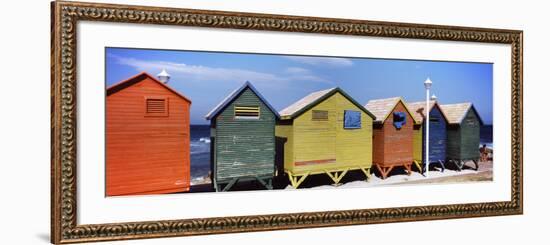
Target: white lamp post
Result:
[[427, 85]]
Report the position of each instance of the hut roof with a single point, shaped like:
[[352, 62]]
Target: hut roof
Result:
[[312, 99], [382, 108], [138, 78], [417, 108], [455, 113], [233, 95]]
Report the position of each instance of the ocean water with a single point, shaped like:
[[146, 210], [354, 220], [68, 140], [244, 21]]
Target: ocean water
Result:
[[486, 135], [200, 151]]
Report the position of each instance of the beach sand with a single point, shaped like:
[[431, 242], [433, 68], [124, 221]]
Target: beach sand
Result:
[[399, 177], [356, 179]]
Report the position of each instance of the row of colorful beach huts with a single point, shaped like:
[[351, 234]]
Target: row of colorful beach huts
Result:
[[327, 132]]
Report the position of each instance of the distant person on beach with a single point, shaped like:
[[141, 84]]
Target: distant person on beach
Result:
[[484, 153]]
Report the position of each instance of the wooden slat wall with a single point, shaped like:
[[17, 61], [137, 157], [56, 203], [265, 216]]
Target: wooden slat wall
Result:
[[470, 136], [315, 139], [463, 140], [397, 143], [454, 141], [245, 147], [327, 141], [146, 154], [353, 146], [438, 136], [378, 143], [418, 143]]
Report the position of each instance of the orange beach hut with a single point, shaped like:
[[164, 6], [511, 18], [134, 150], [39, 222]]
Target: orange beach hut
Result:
[[147, 137]]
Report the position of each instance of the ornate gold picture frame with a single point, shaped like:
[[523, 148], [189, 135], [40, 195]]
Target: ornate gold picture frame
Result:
[[64, 121]]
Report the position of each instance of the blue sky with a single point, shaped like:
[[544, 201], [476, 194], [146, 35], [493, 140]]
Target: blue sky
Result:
[[208, 77]]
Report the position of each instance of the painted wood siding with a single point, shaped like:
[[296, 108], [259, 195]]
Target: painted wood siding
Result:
[[245, 147], [418, 144], [378, 143], [454, 142], [470, 136], [353, 146], [315, 140], [325, 144], [438, 136], [397, 144], [146, 154], [463, 139]]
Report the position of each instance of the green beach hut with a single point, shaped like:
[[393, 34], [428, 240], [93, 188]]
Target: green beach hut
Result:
[[462, 133], [243, 139]]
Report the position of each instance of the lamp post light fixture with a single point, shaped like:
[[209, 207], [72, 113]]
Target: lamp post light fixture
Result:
[[163, 76], [427, 85]]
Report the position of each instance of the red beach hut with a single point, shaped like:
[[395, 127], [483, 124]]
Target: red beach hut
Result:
[[147, 137], [392, 134]]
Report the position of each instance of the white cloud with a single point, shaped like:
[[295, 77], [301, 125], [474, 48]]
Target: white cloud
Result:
[[206, 73], [297, 70], [321, 61], [302, 74]]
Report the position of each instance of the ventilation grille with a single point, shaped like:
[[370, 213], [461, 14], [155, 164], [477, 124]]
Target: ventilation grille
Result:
[[156, 106], [319, 115], [247, 112]]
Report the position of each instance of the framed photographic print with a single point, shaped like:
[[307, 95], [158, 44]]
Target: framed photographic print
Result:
[[175, 122]]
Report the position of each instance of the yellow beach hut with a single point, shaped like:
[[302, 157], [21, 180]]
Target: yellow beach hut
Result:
[[326, 132]]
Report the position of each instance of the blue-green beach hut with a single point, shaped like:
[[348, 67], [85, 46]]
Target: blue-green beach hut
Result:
[[243, 139], [463, 133]]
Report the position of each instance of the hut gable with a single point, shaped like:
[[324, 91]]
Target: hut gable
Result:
[[147, 138], [312, 99], [382, 108], [144, 76], [456, 113], [234, 95], [418, 112]]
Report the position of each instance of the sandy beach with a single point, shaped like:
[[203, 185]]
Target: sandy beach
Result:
[[399, 177], [356, 179]]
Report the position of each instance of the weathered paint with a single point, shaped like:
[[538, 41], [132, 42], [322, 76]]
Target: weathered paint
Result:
[[244, 148], [146, 154], [463, 139], [317, 146]]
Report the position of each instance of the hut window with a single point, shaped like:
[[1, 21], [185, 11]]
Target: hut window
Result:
[[399, 119], [156, 106], [352, 119], [319, 115], [470, 122], [247, 112], [434, 120]]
